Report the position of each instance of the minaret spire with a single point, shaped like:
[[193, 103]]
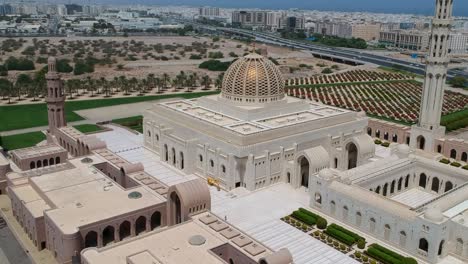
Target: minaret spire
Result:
[[428, 127], [55, 98]]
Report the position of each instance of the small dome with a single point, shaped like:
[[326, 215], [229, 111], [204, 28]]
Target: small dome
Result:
[[253, 79], [326, 174], [434, 215], [403, 149], [197, 240]]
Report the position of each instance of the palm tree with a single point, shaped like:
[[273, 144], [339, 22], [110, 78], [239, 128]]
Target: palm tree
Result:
[[165, 80], [150, 80], [219, 81], [206, 82], [158, 82]]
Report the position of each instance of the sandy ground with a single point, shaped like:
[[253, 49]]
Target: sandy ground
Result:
[[141, 67]]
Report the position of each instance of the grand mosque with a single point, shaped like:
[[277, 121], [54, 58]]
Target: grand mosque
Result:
[[85, 203]]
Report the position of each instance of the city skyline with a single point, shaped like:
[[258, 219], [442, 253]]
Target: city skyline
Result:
[[419, 7]]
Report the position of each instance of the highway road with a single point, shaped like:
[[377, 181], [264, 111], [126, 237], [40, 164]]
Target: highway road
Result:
[[353, 55]]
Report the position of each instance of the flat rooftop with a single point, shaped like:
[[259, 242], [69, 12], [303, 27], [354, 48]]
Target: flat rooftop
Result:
[[37, 151], [315, 111], [171, 246], [71, 131], [83, 195], [414, 197]]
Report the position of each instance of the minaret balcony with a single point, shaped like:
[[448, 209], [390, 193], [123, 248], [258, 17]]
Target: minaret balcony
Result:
[[55, 99]]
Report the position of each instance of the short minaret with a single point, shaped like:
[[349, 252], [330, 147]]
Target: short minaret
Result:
[[428, 128], [55, 98]]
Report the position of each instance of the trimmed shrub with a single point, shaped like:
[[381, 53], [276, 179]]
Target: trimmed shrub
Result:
[[346, 231], [455, 164], [361, 244], [304, 217], [342, 247], [322, 223], [444, 161], [381, 256], [409, 261], [307, 212], [357, 254], [465, 167], [386, 144], [378, 141], [348, 240]]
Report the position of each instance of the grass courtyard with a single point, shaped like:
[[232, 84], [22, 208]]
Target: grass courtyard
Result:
[[34, 115], [21, 140], [134, 122], [88, 128]]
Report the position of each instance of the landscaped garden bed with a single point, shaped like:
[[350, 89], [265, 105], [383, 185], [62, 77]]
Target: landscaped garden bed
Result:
[[388, 256], [343, 235], [389, 97], [297, 224], [330, 241]]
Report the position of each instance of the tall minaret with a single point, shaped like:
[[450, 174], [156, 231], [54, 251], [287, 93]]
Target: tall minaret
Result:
[[428, 127], [55, 98]]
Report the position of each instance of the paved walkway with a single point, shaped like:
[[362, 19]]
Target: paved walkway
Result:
[[41, 128], [38, 257]]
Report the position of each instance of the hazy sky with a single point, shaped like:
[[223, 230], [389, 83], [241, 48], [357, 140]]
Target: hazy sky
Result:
[[388, 6]]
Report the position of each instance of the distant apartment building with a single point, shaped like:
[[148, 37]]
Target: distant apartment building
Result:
[[73, 9], [208, 12], [389, 26], [367, 32], [405, 39], [292, 23], [345, 29], [6, 10], [271, 20], [458, 43], [250, 18]]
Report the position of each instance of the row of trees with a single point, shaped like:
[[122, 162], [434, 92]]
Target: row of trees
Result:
[[35, 87]]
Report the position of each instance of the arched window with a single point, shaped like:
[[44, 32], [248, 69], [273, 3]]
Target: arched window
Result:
[[421, 142], [57, 160], [464, 157], [441, 247], [51, 161], [385, 187], [181, 154], [140, 225], [407, 181], [439, 148], [448, 186], [402, 238], [385, 136], [423, 244], [459, 247], [212, 163], [387, 231], [200, 158], [332, 207], [39, 164], [358, 218], [400, 184], [395, 138], [166, 153], [392, 188], [32, 165], [155, 220], [223, 169], [345, 212], [149, 133], [369, 131], [45, 163], [124, 230], [422, 180], [318, 198], [453, 154], [108, 235], [377, 133], [372, 225], [377, 190], [435, 184], [91, 239]]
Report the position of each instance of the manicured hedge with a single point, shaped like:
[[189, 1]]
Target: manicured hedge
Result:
[[341, 236], [304, 217], [388, 256], [444, 161], [307, 212], [346, 231]]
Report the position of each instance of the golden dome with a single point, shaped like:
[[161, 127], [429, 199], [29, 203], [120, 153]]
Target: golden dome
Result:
[[253, 79]]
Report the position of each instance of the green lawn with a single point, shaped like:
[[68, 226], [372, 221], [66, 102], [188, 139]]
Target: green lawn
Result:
[[21, 140], [134, 122], [33, 115], [88, 128], [455, 120]]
